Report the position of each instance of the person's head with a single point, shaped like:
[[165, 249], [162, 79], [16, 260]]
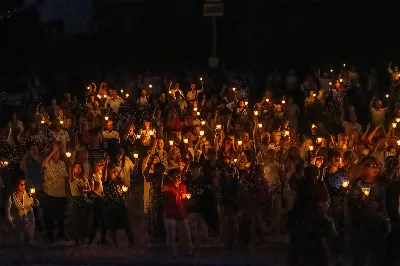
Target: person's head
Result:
[[113, 172], [99, 166], [68, 123], [143, 93], [245, 136], [175, 176], [334, 157], [378, 104], [159, 168], [211, 154], [176, 86], [370, 167], [146, 123], [382, 143], [120, 153], [349, 158], [14, 117], [311, 172], [175, 154], [160, 144], [319, 160], [193, 86], [396, 68], [311, 94], [53, 102], [243, 162], [227, 144], [20, 184], [67, 97], [77, 170], [33, 150], [60, 113], [294, 153], [195, 169], [109, 125]]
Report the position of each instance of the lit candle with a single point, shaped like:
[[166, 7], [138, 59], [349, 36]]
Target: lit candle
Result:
[[240, 142], [203, 122], [151, 132], [311, 148], [195, 109], [330, 83], [287, 133], [340, 80], [150, 86], [32, 190], [319, 140], [68, 154], [186, 141], [198, 113], [398, 143], [138, 136], [201, 133], [42, 122], [124, 188], [105, 95], [122, 91], [99, 96], [345, 183], [188, 196], [88, 87], [387, 95], [366, 190], [394, 125], [398, 120], [135, 155], [106, 118], [267, 100], [218, 127], [170, 92], [246, 103], [314, 95], [61, 122], [283, 101], [5, 163], [234, 89], [255, 113], [260, 125], [331, 70], [201, 79], [235, 160], [171, 142], [344, 65], [127, 95], [313, 126]]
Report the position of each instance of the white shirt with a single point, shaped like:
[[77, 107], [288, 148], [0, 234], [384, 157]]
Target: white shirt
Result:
[[378, 116], [110, 135], [349, 127], [125, 173], [62, 137], [192, 96], [114, 103], [54, 179]]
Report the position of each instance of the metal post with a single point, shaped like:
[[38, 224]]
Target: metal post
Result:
[[214, 25]]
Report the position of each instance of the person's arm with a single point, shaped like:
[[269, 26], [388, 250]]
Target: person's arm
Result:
[[145, 162], [46, 160], [372, 134], [8, 211], [22, 165]]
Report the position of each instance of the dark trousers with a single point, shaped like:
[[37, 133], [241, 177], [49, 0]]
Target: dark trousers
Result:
[[54, 213], [97, 220]]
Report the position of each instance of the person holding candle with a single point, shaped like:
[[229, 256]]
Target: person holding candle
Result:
[[19, 210], [114, 102], [54, 199], [368, 213], [114, 208], [175, 214], [192, 95], [79, 209]]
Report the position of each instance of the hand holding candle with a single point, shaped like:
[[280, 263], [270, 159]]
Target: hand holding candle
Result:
[[32, 191], [186, 141], [124, 189], [135, 155], [256, 113], [240, 142]]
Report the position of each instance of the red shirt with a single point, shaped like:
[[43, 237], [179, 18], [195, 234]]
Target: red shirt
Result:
[[173, 202]]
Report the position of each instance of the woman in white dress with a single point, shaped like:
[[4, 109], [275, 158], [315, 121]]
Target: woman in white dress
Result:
[[19, 211]]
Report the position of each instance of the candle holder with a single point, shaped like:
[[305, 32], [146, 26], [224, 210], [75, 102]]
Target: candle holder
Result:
[[366, 191]]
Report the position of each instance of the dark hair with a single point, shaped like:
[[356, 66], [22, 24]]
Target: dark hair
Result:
[[159, 168], [174, 174], [194, 165], [19, 175]]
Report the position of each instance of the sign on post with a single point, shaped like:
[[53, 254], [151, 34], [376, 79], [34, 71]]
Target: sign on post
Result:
[[214, 9]]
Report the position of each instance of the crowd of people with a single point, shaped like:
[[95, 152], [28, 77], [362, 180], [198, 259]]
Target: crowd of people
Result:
[[206, 162]]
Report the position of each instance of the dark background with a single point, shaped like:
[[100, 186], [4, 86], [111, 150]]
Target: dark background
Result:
[[174, 35]]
